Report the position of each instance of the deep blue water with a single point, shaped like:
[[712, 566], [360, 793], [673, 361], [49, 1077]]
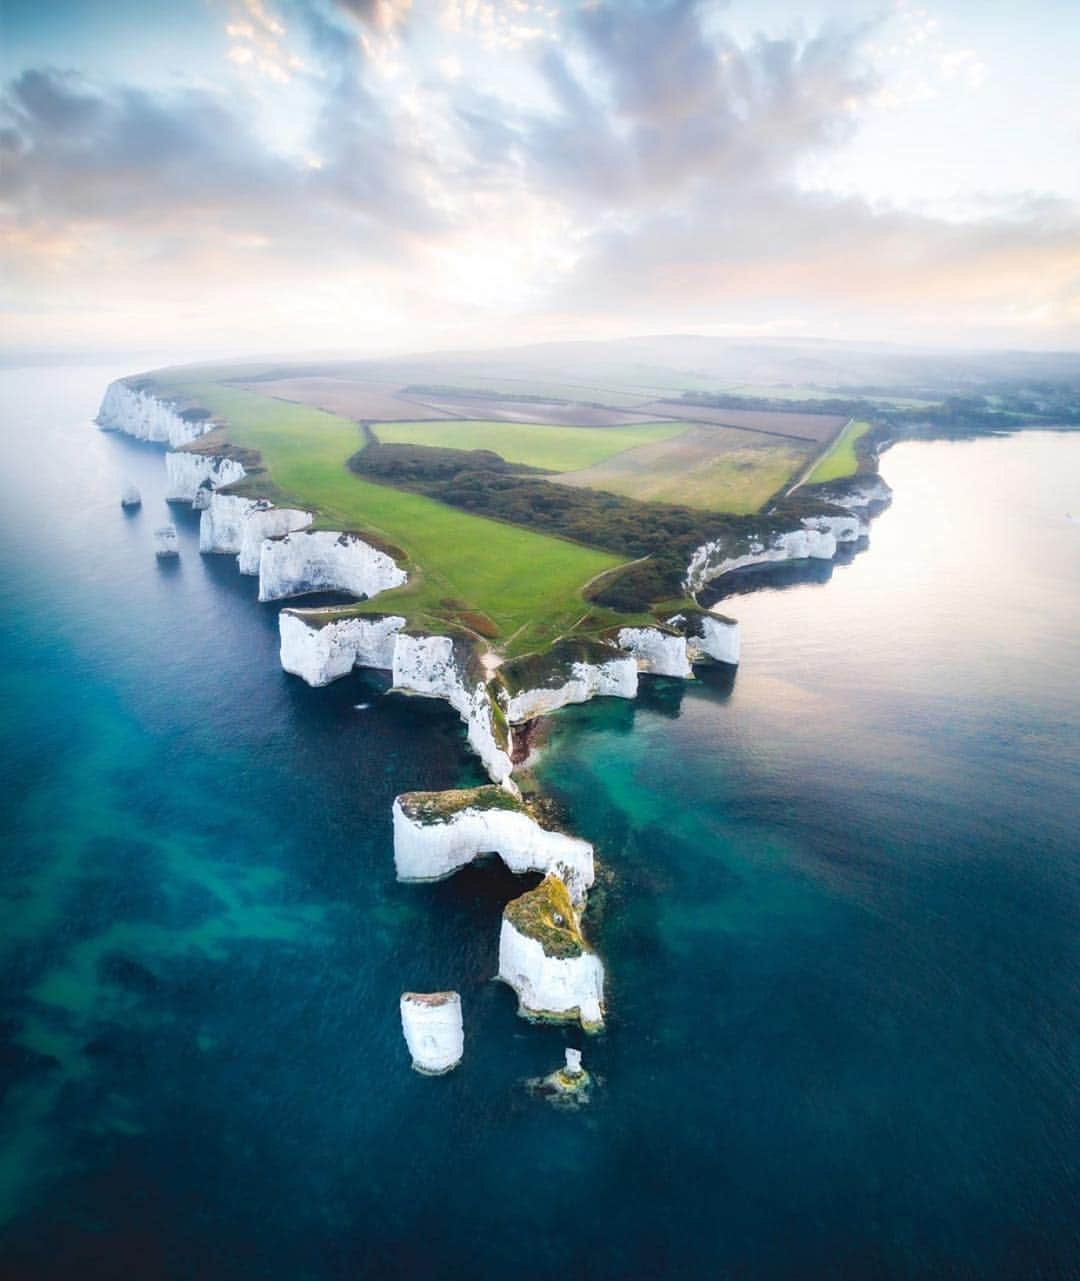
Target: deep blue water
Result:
[[838, 904]]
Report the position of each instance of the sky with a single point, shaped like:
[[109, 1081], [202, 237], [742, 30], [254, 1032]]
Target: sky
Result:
[[222, 177]]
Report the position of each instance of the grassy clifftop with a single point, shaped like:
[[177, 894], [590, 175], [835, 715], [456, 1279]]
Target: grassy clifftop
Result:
[[528, 584]]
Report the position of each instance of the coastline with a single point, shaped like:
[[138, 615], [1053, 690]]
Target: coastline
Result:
[[506, 705], [789, 873]]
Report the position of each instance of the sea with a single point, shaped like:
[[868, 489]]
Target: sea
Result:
[[838, 899]]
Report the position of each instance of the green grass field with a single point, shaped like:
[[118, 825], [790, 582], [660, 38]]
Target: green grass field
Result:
[[840, 460], [535, 444], [528, 585], [717, 469]]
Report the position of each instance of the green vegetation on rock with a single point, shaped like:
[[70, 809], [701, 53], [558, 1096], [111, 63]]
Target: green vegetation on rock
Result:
[[440, 807], [547, 915], [552, 667]]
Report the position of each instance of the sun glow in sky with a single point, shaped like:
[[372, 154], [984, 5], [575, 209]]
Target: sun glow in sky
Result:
[[270, 175]]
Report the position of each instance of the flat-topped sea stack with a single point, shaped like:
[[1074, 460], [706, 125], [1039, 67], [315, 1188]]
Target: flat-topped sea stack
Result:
[[436, 833], [544, 957], [166, 542], [434, 1031]]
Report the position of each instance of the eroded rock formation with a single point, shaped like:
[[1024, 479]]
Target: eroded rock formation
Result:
[[436, 833], [324, 561], [544, 957], [434, 1031]]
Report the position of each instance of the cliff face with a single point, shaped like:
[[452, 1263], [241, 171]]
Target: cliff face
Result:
[[439, 668], [845, 529], [141, 414], [436, 833], [320, 655], [714, 559], [324, 561], [237, 526], [656, 651], [709, 637], [614, 677], [187, 473], [544, 958], [863, 493], [434, 1033]]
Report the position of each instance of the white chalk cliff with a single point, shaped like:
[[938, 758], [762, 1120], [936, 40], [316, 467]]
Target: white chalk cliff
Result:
[[857, 494], [436, 833], [543, 957], [709, 637], [431, 665], [322, 652], [188, 471], [139, 413], [614, 677], [237, 526], [324, 561], [655, 651], [433, 1030], [848, 528], [714, 559]]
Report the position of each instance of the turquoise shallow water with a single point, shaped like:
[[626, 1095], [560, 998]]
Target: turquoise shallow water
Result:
[[838, 904]]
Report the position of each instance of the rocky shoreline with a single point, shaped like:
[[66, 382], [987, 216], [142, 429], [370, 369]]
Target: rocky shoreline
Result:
[[543, 952]]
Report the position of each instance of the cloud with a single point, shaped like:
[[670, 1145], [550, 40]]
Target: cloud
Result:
[[381, 15], [679, 153], [836, 263], [258, 41], [647, 106], [636, 167]]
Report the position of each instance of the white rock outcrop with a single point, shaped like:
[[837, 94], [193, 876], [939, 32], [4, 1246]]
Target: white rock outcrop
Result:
[[435, 835], [221, 524], [709, 637], [237, 526], [430, 665], [166, 543], [187, 472], [322, 653], [615, 677], [139, 413], [434, 1031], [552, 983], [857, 494], [712, 560], [324, 561], [655, 651], [848, 528]]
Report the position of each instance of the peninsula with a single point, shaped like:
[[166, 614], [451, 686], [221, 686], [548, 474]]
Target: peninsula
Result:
[[511, 547]]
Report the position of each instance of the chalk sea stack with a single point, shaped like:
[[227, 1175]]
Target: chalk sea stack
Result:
[[544, 957], [433, 1030], [166, 543]]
